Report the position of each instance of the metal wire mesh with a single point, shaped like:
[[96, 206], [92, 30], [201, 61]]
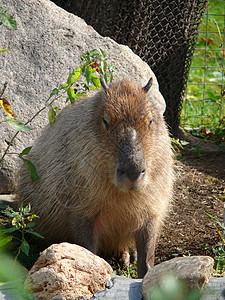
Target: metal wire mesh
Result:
[[162, 32], [204, 104]]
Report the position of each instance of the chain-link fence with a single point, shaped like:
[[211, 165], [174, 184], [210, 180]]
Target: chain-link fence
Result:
[[162, 32], [204, 103]]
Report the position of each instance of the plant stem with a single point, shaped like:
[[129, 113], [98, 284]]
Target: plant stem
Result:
[[18, 253], [9, 145], [3, 90], [43, 108], [30, 120]]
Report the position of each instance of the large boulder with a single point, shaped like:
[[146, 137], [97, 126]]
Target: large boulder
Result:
[[47, 44], [66, 271]]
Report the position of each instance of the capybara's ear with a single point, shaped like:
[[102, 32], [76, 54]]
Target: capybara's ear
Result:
[[155, 96], [148, 85]]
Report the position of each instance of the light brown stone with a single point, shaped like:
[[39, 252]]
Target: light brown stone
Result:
[[195, 270], [67, 271]]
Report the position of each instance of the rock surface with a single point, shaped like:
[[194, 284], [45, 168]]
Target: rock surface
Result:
[[129, 289], [47, 44], [66, 271], [195, 270], [121, 288], [215, 289]]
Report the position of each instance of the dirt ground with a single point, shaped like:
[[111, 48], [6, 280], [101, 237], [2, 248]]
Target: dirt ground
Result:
[[199, 189]]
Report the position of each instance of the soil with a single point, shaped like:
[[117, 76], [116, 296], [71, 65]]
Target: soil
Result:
[[199, 189]]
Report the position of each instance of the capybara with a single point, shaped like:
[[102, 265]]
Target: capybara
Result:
[[105, 173]]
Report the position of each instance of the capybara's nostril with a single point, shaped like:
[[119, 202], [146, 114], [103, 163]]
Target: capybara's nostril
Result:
[[120, 172], [143, 172]]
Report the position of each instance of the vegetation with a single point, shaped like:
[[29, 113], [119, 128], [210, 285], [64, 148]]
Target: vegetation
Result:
[[171, 288], [204, 108], [16, 230], [7, 20], [219, 251], [92, 62]]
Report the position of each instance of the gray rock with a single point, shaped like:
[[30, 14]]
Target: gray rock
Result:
[[215, 289], [122, 288], [10, 291], [46, 45], [195, 271]]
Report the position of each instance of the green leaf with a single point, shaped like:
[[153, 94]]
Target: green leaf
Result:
[[105, 66], [25, 247], [96, 81], [106, 79], [25, 151], [17, 125], [218, 222], [92, 88], [57, 108], [72, 92], [29, 225], [32, 169], [51, 116], [26, 209], [54, 92], [79, 95], [5, 50], [8, 21], [71, 95], [87, 56], [64, 86], [88, 74], [69, 78], [103, 52], [9, 230], [5, 241], [110, 77], [34, 233], [76, 75]]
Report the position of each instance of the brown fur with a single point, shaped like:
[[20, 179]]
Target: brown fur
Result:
[[79, 198]]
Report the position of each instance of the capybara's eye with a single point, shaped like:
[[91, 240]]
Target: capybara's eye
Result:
[[105, 124], [149, 124]]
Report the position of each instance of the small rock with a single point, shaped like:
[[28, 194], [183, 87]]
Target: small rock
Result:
[[195, 270], [108, 284], [67, 271]]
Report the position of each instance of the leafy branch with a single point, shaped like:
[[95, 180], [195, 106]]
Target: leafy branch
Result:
[[20, 222], [92, 62]]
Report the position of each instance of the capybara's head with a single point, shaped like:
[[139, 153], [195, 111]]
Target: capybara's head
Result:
[[127, 121]]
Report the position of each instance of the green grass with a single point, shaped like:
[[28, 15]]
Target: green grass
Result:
[[204, 105]]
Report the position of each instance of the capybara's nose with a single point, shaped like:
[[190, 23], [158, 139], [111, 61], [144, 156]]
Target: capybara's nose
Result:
[[131, 172]]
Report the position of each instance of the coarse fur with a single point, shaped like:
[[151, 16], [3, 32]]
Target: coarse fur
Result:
[[84, 196]]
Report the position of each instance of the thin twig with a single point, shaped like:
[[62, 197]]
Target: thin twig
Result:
[[43, 108], [3, 90], [9, 145], [221, 40], [19, 250]]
